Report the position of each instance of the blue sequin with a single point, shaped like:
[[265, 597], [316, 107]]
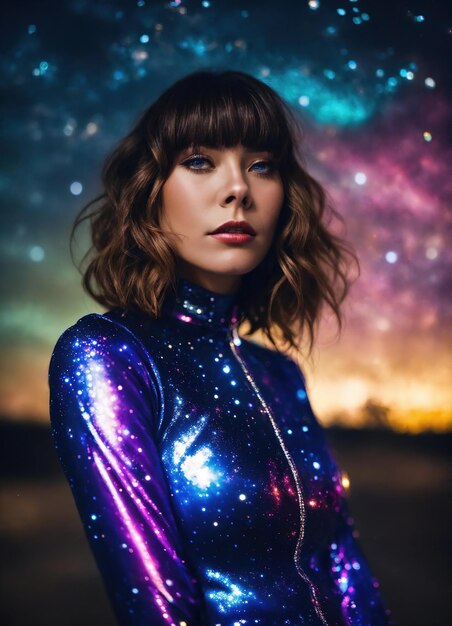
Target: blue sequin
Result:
[[198, 491]]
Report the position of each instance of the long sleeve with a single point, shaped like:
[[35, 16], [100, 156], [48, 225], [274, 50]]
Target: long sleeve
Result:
[[361, 602], [344, 561], [105, 400]]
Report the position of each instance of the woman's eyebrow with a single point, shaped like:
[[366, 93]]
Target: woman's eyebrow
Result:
[[188, 150], [245, 149], [258, 150], [221, 149]]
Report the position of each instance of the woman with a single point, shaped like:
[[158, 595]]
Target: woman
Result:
[[200, 472]]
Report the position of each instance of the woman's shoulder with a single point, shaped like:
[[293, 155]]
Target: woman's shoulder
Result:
[[100, 333], [269, 355], [89, 327], [97, 344], [112, 323]]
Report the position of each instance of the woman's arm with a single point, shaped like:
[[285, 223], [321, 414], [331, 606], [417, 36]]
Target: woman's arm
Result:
[[358, 589], [104, 406], [361, 601]]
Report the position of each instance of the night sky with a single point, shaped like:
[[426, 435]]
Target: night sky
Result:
[[371, 84]]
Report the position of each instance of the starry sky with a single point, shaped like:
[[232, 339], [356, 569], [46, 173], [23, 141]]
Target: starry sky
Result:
[[371, 85]]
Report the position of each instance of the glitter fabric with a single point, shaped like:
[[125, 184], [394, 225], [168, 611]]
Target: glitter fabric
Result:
[[201, 475]]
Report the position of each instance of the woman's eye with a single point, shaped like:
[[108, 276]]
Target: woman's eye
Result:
[[265, 168], [199, 164], [195, 163]]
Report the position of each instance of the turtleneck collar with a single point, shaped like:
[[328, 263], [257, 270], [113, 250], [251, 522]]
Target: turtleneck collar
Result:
[[197, 305]]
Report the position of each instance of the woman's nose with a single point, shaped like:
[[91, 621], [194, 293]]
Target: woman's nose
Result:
[[236, 191], [241, 199]]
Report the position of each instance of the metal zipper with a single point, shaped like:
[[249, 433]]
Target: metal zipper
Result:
[[235, 340]]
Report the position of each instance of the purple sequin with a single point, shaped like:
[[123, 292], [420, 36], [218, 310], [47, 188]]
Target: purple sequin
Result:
[[201, 475]]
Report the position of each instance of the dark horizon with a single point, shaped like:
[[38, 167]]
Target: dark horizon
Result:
[[399, 497]]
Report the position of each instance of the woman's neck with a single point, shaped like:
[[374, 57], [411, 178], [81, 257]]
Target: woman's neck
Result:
[[226, 284]]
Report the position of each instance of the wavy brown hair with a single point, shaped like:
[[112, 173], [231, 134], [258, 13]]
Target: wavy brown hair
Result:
[[131, 263]]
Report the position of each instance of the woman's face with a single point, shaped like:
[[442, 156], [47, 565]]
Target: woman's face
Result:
[[208, 188]]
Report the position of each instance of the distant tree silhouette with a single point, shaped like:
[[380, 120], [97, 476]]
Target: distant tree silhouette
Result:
[[375, 414]]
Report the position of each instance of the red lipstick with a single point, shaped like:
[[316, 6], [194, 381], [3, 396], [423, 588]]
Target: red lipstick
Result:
[[234, 232], [235, 227]]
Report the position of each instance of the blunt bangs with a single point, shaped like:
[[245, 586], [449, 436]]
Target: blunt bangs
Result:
[[222, 110]]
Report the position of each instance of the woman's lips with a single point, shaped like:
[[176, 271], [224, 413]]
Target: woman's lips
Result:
[[233, 237], [235, 226]]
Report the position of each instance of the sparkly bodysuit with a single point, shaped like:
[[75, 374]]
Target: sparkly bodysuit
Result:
[[201, 475]]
